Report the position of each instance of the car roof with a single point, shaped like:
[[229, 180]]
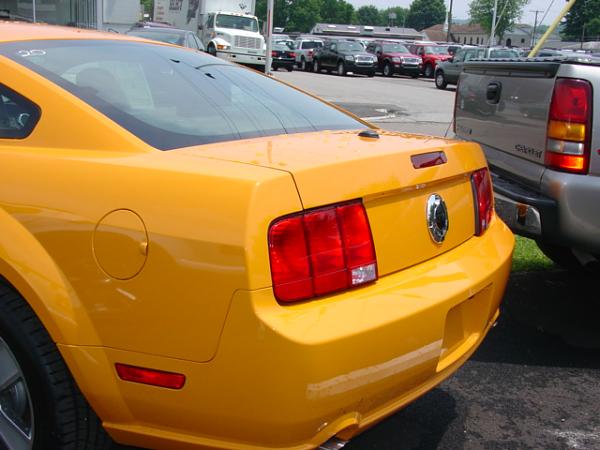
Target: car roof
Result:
[[22, 31]]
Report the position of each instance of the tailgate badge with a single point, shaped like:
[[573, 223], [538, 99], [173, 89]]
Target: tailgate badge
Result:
[[437, 218]]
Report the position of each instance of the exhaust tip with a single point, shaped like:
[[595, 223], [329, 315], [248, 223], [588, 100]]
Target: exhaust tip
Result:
[[333, 444]]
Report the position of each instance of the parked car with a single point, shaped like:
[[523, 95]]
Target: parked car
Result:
[[447, 72], [282, 56], [393, 57], [431, 55], [305, 48], [538, 122], [211, 258], [344, 56], [170, 35]]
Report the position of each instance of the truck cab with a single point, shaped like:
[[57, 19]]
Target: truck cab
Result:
[[234, 37]]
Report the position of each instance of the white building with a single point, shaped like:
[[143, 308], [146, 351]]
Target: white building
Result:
[[118, 15]]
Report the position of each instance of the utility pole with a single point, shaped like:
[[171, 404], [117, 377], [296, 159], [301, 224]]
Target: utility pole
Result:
[[269, 36], [493, 33], [449, 35], [533, 38]]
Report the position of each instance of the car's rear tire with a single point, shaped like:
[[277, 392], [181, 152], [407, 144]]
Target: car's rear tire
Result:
[[428, 71], [316, 66], [341, 69], [388, 70], [440, 80], [565, 258], [41, 407]]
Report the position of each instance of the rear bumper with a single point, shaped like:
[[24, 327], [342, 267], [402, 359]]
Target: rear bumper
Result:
[[291, 377], [242, 58], [562, 213]]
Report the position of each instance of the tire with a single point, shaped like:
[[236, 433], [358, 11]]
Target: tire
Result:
[[428, 71], [341, 69], [53, 412], [388, 70], [290, 68], [212, 50], [303, 65], [274, 68], [316, 66], [440, 80], [564, 257]]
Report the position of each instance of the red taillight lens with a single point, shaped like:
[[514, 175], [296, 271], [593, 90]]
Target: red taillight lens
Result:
[[569, 125], [150, 376], [310, 52], [292, 55], [321, 251], [274, 53], [484, 200], [571, 100]]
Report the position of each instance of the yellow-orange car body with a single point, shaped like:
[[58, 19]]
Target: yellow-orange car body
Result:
[[154, 259]]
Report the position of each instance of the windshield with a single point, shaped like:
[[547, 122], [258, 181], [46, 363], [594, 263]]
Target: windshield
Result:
[[161, 36], [171, 97], [237, 22], [350, 47], [395, 48], [438, 50]]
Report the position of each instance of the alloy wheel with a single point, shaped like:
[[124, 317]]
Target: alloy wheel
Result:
[[16, 411]]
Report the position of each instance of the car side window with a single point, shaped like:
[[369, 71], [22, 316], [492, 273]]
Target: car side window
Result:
[[459, 56], [18, 116], [333, 47]]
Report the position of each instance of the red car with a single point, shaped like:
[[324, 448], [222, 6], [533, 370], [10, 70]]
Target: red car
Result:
[[431, 55], [393, 57]]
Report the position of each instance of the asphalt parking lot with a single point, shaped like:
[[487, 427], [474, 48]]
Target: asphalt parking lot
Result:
[[535, 381]]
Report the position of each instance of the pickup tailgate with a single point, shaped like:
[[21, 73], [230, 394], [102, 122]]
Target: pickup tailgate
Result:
[[505, 106], [333, 167]]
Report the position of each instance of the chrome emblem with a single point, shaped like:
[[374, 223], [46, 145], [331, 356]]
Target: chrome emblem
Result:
[[437, 218]]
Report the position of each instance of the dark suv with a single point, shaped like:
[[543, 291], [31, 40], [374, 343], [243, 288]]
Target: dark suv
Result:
[[343, 57], [393, 57]]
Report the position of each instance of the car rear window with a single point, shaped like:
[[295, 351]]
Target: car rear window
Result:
[[161, 36], [171, 97]]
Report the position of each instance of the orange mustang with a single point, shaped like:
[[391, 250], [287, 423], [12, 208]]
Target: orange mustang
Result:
[[195, 255]]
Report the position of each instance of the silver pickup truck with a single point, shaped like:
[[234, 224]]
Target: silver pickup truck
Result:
[[538, 121]]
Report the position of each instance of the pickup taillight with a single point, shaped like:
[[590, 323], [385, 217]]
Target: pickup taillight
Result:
[[569, 126], [484, 200], [321, 251]]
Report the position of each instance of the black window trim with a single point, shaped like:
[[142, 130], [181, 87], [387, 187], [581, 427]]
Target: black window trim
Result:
[[34, 117]]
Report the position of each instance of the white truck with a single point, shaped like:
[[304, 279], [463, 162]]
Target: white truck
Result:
[[228, 29]]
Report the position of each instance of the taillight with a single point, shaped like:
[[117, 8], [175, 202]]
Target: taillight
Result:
[[292, 55], [273, 53], [569, 126], [484, 200], [310, 53], [321, 251]]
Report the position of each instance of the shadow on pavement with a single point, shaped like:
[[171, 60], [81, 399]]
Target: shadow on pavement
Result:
[[548, 318]]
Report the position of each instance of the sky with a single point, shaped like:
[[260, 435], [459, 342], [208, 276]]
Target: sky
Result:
[[460, 8]]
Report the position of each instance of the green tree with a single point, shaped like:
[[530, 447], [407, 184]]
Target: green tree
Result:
[[303, 15], [368, 15], [337, 11], [280, 12], [400, 19], [425, 13], [509, 11], [582, 20], [148, 7]]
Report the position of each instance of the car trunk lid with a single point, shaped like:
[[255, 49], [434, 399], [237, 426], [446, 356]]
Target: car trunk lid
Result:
[[333, 167]]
